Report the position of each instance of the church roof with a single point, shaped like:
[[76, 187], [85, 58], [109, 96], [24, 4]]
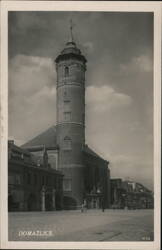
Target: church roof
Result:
[[89, 151], [46, 138]]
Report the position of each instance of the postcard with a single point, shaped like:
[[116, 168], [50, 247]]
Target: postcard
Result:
[[80, 125]]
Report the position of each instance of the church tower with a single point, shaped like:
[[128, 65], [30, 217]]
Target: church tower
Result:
[[71, 67]]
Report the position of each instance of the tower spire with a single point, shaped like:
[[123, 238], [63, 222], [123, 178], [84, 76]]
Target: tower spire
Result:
[[71, 31]]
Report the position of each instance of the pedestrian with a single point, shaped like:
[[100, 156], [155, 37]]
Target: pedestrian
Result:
[[85, 205], [82, 207], [103, 207]]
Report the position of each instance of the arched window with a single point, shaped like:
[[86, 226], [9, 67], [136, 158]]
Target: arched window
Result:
[[66, 71], [67, 144], [65, 94]]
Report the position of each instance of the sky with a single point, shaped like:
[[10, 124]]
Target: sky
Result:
[[119, 82]]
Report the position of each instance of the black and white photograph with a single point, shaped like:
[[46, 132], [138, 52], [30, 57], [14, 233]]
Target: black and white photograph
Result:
[[81, 160]]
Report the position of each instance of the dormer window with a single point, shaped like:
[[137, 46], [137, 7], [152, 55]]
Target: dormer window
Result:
[[66, 71]]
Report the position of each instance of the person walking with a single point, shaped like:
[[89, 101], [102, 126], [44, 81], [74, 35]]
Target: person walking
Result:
[[103, 205], [83, 206]]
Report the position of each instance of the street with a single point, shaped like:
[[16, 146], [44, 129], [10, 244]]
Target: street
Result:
[[91, 225]]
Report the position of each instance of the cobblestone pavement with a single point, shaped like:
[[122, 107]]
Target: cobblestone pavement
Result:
[[91, 225]]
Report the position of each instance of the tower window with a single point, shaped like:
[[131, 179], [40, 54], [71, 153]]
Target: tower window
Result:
[[66, 105], [67, 116], [67, 143], [66, 71]]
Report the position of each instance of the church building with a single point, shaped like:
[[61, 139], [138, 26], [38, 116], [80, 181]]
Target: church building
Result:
[[86, 175]]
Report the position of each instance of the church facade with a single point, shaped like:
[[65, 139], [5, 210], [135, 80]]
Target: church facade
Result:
[[86, 175]]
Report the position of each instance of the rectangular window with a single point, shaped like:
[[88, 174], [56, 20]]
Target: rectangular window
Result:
[[67, 116], [47, 180], [17, 179], [11, 179], [67, 144], [15, 154], [43, 180], [67, 184], [14, 179], [60, 183], [66, 105], [54, 182], [35, 179], [28, 178]]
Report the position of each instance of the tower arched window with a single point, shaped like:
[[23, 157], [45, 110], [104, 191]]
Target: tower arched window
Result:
[[65, 94], [66, 71], [67, 143]]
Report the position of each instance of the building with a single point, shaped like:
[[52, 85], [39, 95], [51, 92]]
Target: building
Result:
[[138, 196], [33, 185], [96, 180], [130, 194], [118, 193], [57, 169], [59, 156], [86, 176]]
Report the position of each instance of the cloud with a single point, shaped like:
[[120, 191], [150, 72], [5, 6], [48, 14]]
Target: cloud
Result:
[[142, 63], [32, 95], [27, 20], [133, 168], [88, 47], [115, 132], [105, 98], [38, 71], [119, 80]]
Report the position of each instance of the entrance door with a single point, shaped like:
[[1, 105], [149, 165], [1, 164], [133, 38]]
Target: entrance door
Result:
[[48, 202], [32, 203]]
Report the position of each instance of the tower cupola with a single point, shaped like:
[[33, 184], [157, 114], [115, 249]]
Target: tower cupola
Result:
[[71, 50]]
